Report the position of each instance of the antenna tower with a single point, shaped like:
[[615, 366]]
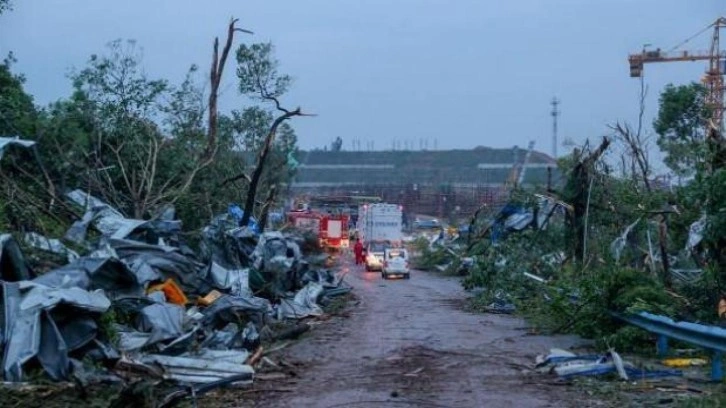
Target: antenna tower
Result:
[[555, 113]]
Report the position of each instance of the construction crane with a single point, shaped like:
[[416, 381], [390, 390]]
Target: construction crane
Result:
[[713, 79], [516, 175]]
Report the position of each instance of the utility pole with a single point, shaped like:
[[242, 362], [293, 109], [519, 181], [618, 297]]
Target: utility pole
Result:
[[555, 113]]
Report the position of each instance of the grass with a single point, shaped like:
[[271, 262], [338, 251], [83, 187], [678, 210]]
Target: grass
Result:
[[338, 304]]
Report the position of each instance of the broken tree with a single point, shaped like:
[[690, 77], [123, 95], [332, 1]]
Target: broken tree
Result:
[[577, 194], [257, 71]]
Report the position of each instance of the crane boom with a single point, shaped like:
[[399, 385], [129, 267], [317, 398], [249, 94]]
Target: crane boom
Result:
[[638, 60], [713, 79]]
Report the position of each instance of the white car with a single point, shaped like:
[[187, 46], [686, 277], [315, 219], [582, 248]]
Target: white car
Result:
[[374, 256], [395, 263]]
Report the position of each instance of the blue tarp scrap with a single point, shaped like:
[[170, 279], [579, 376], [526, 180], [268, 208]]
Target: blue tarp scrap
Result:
[[568, 365], [633, 373], [499, 228], [237, 214]]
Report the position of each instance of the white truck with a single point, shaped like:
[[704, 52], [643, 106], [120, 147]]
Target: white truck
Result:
[[379, 226]]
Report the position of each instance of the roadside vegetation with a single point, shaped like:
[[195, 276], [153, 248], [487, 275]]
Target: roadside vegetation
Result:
[[620, 241], [142, 143]]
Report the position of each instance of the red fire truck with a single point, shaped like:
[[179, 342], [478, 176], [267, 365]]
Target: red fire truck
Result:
[[332, 229]]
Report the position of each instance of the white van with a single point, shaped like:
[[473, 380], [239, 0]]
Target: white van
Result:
[[395, 263]]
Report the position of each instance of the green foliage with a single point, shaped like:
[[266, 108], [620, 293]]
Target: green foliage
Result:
[[706, 195], [17, 110], [713, 196], [580, 302], [135, 142], [137, 165], [715, 398], [106, 325], [257, 72], [428, 259], [680, 127], [5, 5], [117, 85], [501, 266], [251, 127], [259, 79], [577, 298]]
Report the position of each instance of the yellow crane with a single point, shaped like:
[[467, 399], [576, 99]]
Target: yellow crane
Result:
[[713, 79]]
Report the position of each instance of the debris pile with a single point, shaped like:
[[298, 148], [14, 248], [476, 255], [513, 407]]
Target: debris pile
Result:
[[567, 365], [441, 252], [141, 303]]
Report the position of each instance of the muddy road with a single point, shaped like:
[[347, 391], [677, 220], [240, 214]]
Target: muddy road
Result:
[[412, 343]]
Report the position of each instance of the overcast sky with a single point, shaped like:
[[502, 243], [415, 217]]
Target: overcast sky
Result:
[[461, 72]]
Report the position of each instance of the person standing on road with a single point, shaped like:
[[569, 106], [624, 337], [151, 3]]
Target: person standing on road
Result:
[[358, 251]]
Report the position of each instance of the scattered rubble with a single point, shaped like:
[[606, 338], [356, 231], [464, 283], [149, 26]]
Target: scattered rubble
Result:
[[566, 365], [7, 141], [144, 305]]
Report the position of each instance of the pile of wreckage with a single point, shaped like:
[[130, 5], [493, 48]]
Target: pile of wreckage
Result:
[[567, 365], [141, 302], [510, 218]]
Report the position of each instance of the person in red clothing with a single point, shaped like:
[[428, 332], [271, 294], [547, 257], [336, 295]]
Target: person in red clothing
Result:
[[358, 251]]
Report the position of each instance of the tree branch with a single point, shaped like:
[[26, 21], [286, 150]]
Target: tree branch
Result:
[[215, 79], [218, 64], [261, 159], [235, 178], [637, 151]]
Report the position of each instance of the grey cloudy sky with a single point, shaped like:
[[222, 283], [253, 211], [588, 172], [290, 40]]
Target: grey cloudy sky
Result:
[[463, 72]]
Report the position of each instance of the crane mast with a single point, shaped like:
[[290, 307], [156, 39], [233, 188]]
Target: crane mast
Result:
[[713, 79], [516, 174]]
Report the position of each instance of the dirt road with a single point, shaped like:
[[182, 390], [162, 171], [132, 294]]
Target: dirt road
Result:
[[411, 343]]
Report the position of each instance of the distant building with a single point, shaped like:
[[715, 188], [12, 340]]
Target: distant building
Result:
[[431, 182], [478, 167]]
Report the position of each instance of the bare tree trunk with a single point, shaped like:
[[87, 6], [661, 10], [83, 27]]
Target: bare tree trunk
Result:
[[581, 178], [663, 237], [215, 79], [266, 206], [636, 143], [260, 166]]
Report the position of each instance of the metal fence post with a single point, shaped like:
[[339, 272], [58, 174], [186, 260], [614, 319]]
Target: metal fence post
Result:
[[717, 366]]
